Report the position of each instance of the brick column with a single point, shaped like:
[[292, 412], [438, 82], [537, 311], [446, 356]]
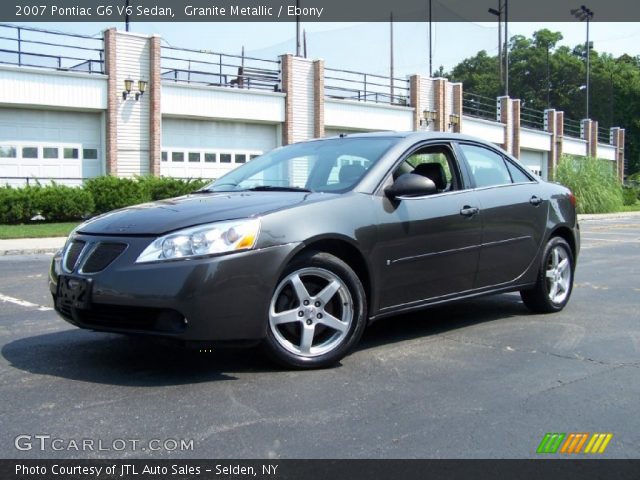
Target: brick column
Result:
[[593, 140], [111, 147], [550, 126], [318, 98], [515, 128], [559, 135], [617, 135], [457, 105], [286, 62], [414, 99], [587, 126], [439, 95], [506, 113], [155, 113]]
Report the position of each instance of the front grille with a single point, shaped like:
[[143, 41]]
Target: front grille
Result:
[[102, 256], [73, 253]]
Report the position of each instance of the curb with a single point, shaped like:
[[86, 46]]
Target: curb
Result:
[[582, 217], [28, 251]]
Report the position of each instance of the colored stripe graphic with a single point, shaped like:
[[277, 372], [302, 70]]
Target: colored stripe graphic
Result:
[[550, 443], [598, 443], [574, 443]]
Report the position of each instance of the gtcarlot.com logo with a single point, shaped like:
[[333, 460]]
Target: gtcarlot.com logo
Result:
[[45, 442], [572, 443]]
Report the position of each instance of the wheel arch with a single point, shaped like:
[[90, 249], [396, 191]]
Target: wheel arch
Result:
[[565, 233]]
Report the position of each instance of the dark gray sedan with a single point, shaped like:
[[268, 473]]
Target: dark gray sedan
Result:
[[304, 246]]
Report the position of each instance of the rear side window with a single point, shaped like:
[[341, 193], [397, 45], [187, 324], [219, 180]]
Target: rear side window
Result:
[[487, 167], [517, 175]]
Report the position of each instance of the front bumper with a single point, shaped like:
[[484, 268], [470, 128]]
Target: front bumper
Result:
[[219, 298]]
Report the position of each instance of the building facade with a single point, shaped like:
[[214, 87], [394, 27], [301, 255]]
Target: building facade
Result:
[[126, 105]]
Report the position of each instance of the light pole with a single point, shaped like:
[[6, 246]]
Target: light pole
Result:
[[582, 14], [430, 42], [503, 8], [498, 13]]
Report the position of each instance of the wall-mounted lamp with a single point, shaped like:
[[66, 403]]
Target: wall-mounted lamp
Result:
[[142, 86], [428, 117], [128, 86], [454, 119]]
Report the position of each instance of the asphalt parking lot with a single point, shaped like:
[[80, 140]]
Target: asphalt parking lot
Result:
[[477, 379]]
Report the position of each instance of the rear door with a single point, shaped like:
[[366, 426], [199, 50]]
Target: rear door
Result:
[[428, 247], [513, 214]]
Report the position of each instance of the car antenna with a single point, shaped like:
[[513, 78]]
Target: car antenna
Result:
[[342, 135]]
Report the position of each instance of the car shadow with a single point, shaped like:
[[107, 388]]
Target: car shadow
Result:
[[113, 359], [441, 319]]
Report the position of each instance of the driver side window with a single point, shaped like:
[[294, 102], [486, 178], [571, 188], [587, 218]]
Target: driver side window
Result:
[[433, 162]]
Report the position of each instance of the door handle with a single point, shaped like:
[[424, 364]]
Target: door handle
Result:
[[535, 201], [468, 211]]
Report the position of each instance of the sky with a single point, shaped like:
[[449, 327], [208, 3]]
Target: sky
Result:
[[364, 47]]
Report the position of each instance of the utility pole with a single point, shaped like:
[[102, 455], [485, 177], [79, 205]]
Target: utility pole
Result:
[[506, 48], [126, 17], [391, 72], [430, 41], [582, 14], [297, 29]]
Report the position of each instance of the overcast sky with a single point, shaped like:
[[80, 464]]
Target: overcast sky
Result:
[[365, 46]]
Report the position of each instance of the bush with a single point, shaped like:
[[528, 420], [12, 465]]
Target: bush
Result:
[[159, 188], [592, 181], [110, 192], [57, 203], [630, 195]]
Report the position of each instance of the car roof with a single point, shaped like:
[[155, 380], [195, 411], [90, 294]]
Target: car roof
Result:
[[419, 135]]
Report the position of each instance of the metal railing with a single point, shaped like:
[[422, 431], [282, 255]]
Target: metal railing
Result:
[[365, 87], [478, 106], [532, 118], [219, 69], [31, 180], [572, 128], [34, 47], [604, 135]]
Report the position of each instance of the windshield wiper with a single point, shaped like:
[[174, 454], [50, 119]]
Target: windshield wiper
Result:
[[276, 188]]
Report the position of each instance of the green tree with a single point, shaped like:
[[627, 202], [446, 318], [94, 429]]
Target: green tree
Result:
[[543, 74]]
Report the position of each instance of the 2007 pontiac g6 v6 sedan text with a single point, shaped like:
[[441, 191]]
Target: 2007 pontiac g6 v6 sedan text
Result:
[[302, 247]]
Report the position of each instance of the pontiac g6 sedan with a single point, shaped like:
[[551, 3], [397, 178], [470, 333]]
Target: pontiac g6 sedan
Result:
[[301, 248]]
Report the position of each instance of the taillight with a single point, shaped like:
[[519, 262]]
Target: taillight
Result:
[[573, 199]]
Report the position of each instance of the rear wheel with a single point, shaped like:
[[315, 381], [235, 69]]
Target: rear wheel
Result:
[[555, 279], [317, 312]]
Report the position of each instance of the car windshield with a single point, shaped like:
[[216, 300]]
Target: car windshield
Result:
[[333, 165]]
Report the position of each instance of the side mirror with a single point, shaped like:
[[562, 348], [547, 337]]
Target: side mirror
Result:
[[410, 185]]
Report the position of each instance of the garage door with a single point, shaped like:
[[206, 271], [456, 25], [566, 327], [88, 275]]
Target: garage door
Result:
[[535, 160], [334, 132], [46, 145], [209, 149]]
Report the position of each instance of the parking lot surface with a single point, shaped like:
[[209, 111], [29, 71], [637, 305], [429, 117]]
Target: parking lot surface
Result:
[[477, 379]]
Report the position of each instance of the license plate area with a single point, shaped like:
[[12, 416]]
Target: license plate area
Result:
[[74, 292]]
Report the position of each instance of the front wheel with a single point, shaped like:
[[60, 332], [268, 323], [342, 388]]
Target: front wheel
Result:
[[317, 312], [555, 279]]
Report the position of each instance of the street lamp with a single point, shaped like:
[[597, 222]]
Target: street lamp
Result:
[[503, 9], [498, 13], [582, 14]]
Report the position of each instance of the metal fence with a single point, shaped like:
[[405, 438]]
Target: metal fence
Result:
[[478, 106], [572, 128], [20, 181], [532, 118], [604, 135], [34, 47], [365, 87], [218, 69]]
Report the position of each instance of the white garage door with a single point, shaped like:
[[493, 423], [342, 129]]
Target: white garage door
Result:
[[535, 160], [209, 149], [46, 145], [334, 132]]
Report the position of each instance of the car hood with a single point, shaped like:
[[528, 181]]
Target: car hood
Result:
[[173, 214]]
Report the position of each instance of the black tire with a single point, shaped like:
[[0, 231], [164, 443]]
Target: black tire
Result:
[[542, 298], [287, 343]]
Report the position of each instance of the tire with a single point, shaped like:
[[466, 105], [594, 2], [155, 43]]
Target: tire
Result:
[[555, 279], [317, 313]]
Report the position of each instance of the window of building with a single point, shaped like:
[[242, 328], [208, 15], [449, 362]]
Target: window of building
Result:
[[225, 158], [210, 157], [7, 151], [254, 155], [177, 156], [90, 153], [241, 158], [71, 153], [194, 156], [29, 152], [164, 156], [49, 152]]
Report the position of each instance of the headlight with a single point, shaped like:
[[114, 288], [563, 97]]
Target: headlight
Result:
[[220, 237]]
